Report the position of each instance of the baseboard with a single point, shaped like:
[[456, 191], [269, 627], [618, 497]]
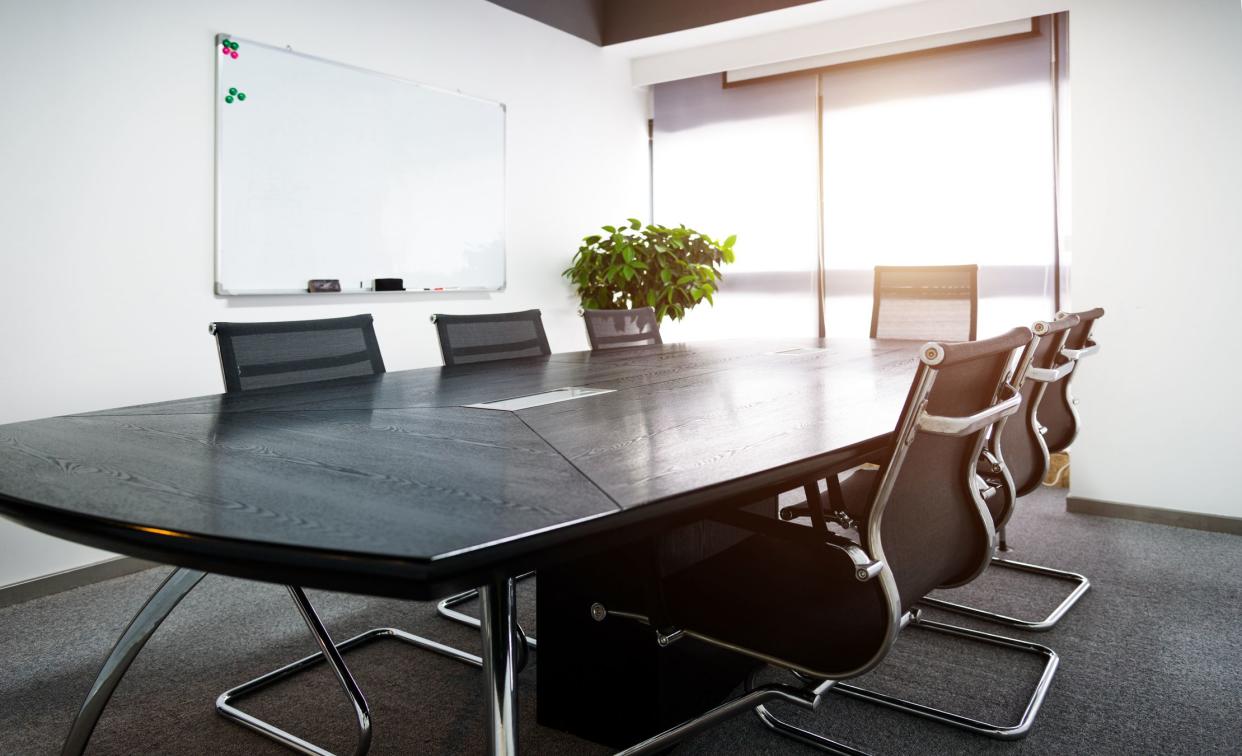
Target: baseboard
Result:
[[1156, 515], [74, 578]]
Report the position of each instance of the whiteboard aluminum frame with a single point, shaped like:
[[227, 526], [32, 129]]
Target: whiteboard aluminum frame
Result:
[[218, 287]]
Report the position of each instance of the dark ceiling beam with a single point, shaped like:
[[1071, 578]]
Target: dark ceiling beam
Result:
[[607, 22], [626, 20], [581, 18]]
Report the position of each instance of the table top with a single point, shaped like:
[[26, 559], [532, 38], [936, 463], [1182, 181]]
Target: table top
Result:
[[389, 484]]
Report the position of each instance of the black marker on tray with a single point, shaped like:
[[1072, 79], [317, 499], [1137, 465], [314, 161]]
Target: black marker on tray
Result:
[[323, 285]]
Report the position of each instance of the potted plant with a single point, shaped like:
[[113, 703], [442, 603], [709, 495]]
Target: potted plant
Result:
[[669, 269]]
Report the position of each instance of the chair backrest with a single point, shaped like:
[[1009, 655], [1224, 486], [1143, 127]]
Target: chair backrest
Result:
[[927, 519], [1058, 412], [1080, 336], [263, 355], [611, 329], [496, 336], [938, 302], [1018, 441]]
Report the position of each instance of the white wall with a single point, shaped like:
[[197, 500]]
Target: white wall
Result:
[[106, 219], [1157, 103]]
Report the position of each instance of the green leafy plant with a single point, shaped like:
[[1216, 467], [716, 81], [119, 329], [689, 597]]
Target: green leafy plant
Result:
[[670, 269]]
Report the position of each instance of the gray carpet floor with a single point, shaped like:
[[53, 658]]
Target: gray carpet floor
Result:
[[1151, 662]]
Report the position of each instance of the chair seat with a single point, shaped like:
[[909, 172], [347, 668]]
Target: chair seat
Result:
[[796, 602]]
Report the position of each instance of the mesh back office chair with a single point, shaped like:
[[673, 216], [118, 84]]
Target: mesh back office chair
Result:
[[266, 355], [1059, 410], [1017, 462], [925, 526], [466, 339], [612, 329], [940, 303], [496, 336], [926, 302]]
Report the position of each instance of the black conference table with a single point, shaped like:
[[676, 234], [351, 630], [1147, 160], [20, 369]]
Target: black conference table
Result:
[[391, 485]]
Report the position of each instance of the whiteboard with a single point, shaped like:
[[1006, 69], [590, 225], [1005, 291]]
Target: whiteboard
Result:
[[325, 170]]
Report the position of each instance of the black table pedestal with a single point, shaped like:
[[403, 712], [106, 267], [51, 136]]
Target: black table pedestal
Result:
[[609, 681]]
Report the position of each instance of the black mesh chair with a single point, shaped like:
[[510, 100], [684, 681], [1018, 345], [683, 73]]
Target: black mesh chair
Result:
[[612, 329], [1059, 410], [923, 525], [497, 336], [925, 302], [1016, 462], [264, 355], [267, 355], [938, 302], [466, 339]]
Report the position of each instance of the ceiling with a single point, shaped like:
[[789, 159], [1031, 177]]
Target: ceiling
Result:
[[610, 22]]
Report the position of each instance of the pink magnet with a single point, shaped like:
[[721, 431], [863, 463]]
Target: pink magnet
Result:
[[234, 53], [225, 50]]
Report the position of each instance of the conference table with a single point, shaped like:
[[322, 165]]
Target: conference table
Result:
[[398, 485]]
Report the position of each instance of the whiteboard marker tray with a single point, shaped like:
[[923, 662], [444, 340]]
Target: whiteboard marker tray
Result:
[[545, 397]]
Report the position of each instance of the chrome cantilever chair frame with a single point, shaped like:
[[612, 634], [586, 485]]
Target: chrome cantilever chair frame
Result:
[[869, 563], [329, 652], [1045, 377]]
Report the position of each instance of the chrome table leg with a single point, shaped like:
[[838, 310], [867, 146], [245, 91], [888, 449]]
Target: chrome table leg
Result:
[[497, 600], [446, 609], [141, 627]]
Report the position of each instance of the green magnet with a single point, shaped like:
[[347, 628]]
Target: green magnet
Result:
[[233, 45], [241, 95], [232, 90], [228, 98]]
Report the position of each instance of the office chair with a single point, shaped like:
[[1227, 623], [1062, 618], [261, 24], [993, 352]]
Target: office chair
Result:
[[939, 302], [265, 355], [612, 329], [924, 526], [466, 339], [1059, 410], [1017, 461], [269, 355], [485, 338]]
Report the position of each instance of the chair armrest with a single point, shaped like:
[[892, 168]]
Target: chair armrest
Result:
[[865, 568], [1050, 375], [964, 426], [1077, 354]]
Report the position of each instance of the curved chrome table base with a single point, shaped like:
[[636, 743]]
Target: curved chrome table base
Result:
[[1000, 732], [503, 657], [445, 609], [141, 627], [1081, 586]]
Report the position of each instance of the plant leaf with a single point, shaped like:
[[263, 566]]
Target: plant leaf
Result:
[[635, 223]]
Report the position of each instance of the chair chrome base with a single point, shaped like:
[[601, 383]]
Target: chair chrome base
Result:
[[445, 609], [1081, 585], [1000, 732], [332, 654], [808, 697]]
